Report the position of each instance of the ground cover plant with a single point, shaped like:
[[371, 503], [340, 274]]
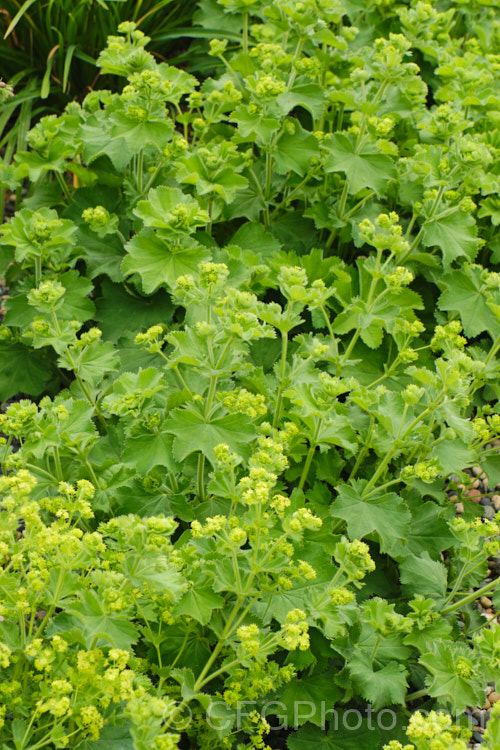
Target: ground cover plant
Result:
[[260, 317], [48, 51]]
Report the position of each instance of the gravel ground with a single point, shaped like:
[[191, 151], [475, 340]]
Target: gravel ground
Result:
[[479, 490]]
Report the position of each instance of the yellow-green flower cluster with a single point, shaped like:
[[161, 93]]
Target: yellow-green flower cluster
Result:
[[212, 275], [294, 632], [438, 730], [255, 488], [19, 418], [47, 296], [5, 653], [226, 458], [255, 682], [424, 470], [71, 500], [249, 637], [471, 534], [353, 558], [152, 340], [95, 217], [244, 402], [267, 86], [486, 429], [212, 526], [92, 721], [385, 234], [448, 337], [412, 394], [301, 519], [341, 596], [401, 277], [269, 455]]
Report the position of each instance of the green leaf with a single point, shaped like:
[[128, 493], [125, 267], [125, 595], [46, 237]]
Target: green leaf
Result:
[[198, 603], [94, 362], [421, 575], [253, 236], [53, 161], [22, 370], [294, 152], [151, 569], [115, 629], [455, 675], [158, 210], [429, 531], [364, 167], [117, 307], [491, 466], [102, 255], [110, 738], [464, 294], [145, 449], [317, 691], [98, 141], [453, 455], [257, 126], [186, 647], [153, 131], [348, 730], [76, 304], [455, 235], [381, 687], [157, 262], [384, 514], [305, 94], [194, 434]]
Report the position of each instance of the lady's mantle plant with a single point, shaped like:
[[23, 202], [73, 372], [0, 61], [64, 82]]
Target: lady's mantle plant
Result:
[[233, 487]]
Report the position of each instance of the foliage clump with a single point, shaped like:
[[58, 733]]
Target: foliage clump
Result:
[[261, 322]]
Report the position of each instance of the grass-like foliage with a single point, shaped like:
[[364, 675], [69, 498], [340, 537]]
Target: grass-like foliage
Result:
[[263, 318], [48, 50]]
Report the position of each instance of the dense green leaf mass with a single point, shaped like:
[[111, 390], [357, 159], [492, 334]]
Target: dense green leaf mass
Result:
[[259, 317]]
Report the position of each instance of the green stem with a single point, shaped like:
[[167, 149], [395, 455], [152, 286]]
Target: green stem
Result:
[[293, 72], [483, 625], [416, 241], [417, 694], [284, 348], [140, 170], [375, 647], [364, 449], [386, 460], [201, 476], [493, 350], [63, 186], [245, 33], [52, 608], [487, 588], [342, 204], [57, 461], [34, 469], [218, 647], [371, 292], [332, 583], [215, 674], [269, 175], [332, 335], [307, 465], [38, 269]]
